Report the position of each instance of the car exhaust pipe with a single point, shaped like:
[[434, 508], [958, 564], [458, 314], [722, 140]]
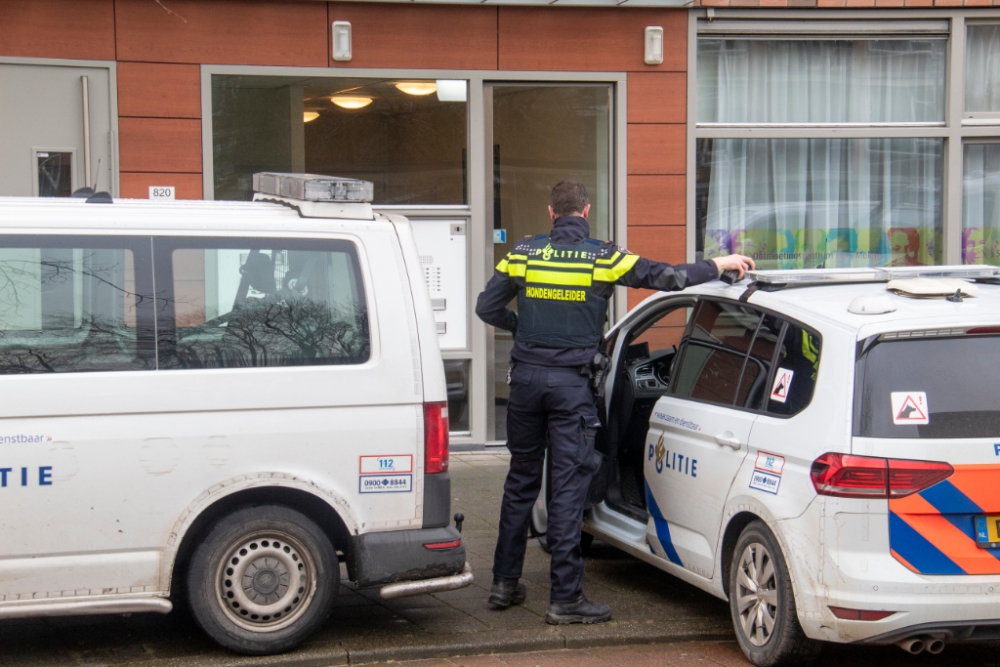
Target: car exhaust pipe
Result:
[[933, 645], [912, 645]]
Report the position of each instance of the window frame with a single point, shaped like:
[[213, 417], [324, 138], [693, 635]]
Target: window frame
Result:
[[956, 129], [785, 322]]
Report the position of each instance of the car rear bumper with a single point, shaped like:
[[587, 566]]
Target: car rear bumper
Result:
[[851, 566], [382, 558]]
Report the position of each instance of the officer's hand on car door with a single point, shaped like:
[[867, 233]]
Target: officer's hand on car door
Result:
[[738, 263]]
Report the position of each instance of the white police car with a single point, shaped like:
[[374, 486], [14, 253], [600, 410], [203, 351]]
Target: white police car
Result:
[[821, 448]]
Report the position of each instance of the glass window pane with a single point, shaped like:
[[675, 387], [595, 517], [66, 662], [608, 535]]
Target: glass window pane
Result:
[[55, 173], [456, 376], [65, 307], [255, 302], [544, 134], [981, 205], [798, 364], [716, 347], [753, 384], [406, 136], [982, 68], [808, 203], [821, 81], [957, 374]]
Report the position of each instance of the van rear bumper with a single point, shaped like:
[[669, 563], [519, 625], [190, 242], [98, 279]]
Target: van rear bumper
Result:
[[400, 555]]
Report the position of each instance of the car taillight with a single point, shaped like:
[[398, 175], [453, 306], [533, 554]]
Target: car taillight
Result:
[[849, 476], [435, 438]]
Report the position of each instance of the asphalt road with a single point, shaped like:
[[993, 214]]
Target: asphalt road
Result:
[[649, 607]]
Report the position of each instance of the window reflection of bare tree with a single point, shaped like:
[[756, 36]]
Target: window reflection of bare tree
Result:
[[49, 324], [278, 332]]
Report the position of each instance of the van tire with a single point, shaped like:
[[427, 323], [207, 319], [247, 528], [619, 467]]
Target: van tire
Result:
[[242, 575], [758, 563]]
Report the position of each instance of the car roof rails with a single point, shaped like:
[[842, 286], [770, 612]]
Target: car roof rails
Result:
[[773, 281]]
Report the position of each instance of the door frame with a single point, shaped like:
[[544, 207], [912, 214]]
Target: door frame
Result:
[[112, 67]]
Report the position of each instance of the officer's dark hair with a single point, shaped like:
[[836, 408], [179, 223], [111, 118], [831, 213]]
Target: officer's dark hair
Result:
[[569, 197]]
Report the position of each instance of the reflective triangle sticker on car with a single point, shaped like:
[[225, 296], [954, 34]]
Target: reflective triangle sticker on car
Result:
[[782, 383], [909, 407]]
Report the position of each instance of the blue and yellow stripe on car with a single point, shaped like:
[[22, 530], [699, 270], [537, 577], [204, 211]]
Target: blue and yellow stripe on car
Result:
[[933, 531]]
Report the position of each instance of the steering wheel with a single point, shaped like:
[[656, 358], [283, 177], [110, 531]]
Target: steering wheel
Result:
[[649, 376]]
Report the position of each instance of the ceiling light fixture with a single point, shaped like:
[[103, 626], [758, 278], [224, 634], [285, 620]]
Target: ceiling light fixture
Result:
[[351, 101], [308, 116], [417, 87]]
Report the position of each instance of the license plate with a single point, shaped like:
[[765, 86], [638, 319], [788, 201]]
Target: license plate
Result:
[[988, 531]]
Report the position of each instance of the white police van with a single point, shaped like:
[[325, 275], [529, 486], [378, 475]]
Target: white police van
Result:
[[219, 399], [821, 448]]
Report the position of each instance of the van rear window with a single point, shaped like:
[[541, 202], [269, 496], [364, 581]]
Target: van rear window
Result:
[[929, 388]]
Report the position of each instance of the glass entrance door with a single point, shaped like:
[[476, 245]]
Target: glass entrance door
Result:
[[538, 135]]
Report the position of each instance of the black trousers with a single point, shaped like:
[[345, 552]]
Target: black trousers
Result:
[[559, 403]]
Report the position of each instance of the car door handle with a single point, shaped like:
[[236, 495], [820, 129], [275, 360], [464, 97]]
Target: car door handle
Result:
[[729, 440]]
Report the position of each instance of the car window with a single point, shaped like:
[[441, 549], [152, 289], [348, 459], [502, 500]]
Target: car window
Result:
[[930, 387], [797, 366], [72, 304], [715, 347], [665, 331], [757, 369], [238, 303]]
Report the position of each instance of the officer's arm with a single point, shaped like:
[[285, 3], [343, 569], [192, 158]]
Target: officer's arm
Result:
[[491, 307], [624, 268]]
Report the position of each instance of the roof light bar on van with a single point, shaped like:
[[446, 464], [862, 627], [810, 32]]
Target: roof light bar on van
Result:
[[775, 280], [313, 187]]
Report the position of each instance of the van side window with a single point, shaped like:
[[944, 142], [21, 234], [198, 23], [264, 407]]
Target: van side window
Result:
[[243, 302], [71, 304], [795, 375], [714, 351]]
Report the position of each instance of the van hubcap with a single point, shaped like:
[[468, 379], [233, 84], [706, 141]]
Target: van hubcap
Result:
[[266, 581], [756, 594]]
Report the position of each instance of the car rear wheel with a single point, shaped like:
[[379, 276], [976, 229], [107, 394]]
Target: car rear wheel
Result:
[[263, 579], [762, 603]]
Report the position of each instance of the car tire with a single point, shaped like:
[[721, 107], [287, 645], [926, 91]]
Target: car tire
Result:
[[762, 603], [262, 580]]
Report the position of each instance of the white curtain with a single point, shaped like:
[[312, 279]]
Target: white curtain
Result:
[[981, 205], [803, 203], [982, 68], [835, 81]]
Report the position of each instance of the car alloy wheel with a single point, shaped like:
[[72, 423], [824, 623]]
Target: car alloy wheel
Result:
[[757, 594]]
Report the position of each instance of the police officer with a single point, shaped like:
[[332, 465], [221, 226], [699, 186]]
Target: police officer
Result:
[[562, 281]]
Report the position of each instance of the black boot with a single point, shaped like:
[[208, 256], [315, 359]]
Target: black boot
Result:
[[506, 592], [581, 611]]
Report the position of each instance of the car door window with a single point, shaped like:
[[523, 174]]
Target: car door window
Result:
[[715, 348], [757, 369], [797, 366]]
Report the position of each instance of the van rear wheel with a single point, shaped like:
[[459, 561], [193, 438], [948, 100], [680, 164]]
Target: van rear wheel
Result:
[[263, 579], [762, 603]]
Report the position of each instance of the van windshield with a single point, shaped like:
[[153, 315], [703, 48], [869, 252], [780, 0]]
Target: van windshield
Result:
[[929, 388]]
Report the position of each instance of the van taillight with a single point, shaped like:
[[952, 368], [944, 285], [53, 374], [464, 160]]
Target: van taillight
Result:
[[848, 476], [435, 437]]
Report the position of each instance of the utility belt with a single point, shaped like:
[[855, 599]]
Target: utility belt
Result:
[[596, 371]]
